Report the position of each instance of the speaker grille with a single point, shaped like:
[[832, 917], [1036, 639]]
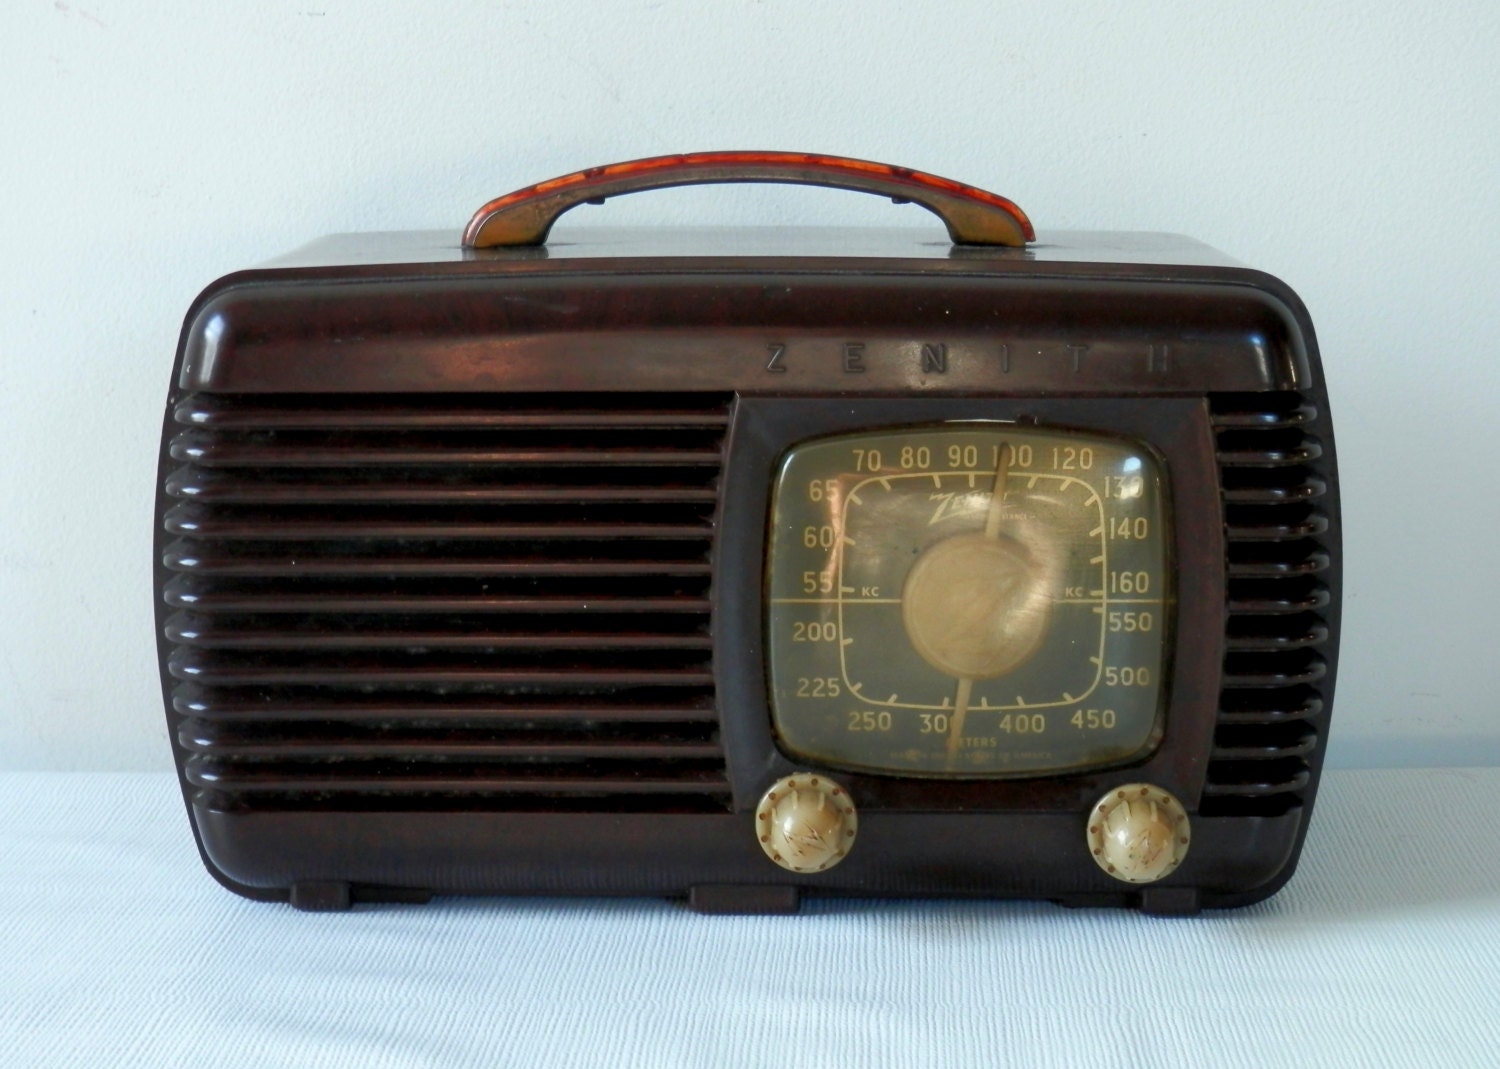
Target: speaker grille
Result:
[[495, 602], [1272, 703]]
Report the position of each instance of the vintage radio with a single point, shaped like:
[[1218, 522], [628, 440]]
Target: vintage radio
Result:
[[743, 565]]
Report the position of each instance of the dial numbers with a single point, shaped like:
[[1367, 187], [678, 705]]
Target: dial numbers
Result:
[[967, 602]]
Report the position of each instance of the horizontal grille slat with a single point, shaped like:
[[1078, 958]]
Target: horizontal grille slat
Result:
[[1273, 483], [216, 487], [194, 592], [1270, 706], [1286, 596], [230, 745], [465, 600], [1302, 451], [1268, 781], [203, 450], [1268, 670], [1273, 492], [211, 667], [199, 559], [1282, 742], [1256, 561], [344, 632], [1246, 524], [192, 519], [218, 673], [470, 780], [1262, 412], [1260, 635], [274, 707], [444, 413]]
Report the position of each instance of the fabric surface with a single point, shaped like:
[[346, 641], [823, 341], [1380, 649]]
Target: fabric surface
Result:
[[117, 949]]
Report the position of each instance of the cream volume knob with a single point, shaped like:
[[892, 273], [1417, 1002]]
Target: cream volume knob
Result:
[[1138, 833], [806, 822]]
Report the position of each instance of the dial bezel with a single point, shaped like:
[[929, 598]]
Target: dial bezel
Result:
[[1176, 429], [793, 716]]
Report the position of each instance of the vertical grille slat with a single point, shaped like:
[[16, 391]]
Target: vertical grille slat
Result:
[[455, 602], [1270, 711]]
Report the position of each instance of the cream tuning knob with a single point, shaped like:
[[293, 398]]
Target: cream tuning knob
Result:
[[1138, 833], [806, 822]]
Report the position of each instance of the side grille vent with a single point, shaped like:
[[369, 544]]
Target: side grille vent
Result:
[[1271, 706], [492, 602]]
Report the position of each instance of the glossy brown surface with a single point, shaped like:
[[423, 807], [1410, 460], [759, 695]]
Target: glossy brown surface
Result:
[[460, 561], [525, 217]]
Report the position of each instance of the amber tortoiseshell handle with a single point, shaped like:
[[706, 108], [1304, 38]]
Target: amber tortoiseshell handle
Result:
[[972, 216]]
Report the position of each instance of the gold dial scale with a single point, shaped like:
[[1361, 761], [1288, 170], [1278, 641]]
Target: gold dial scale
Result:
[[968, 599]]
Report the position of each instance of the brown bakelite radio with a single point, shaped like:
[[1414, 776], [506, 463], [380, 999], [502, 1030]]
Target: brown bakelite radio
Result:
[[749, 564]]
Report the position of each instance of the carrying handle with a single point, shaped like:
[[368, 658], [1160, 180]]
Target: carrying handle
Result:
[[972, 216]]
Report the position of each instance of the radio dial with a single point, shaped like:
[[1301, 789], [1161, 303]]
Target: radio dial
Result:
[[968, 599]]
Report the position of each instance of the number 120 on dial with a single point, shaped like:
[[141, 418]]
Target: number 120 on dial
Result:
[[968, 599]]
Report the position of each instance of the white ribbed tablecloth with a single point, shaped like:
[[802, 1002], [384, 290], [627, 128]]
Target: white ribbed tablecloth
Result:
[[117, 949]]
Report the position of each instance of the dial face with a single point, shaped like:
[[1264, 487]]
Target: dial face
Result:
[[968, 599]]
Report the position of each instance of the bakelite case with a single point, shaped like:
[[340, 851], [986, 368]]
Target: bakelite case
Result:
[[460, 551]]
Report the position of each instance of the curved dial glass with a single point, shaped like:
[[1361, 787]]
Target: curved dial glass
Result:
[[969, 599]]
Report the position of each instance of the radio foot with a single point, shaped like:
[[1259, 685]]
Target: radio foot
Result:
[[1170, 901], [321, 896], [728, 898]]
